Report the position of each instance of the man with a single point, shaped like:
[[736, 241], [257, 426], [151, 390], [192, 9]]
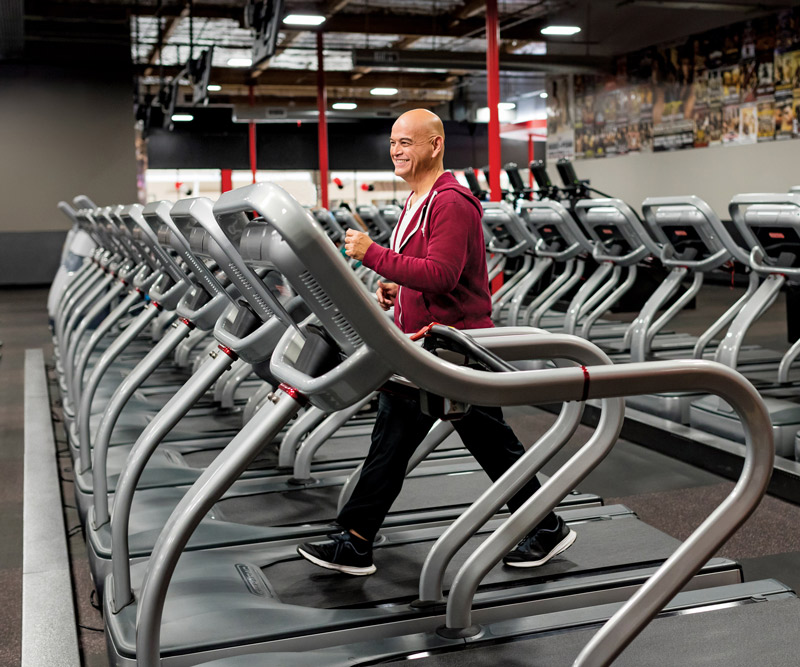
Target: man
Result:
[[437, 268]]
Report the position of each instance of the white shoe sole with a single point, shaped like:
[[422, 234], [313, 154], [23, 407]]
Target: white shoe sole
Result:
[[563, 545], [346, 569]]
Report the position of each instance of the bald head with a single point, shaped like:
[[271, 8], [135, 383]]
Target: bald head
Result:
[[423, 122], [417, 147]]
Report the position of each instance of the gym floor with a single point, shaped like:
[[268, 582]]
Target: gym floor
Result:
[[666, 493]]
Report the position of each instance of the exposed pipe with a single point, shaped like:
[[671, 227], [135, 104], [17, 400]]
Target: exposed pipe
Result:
[[322, 131], [493, 97]]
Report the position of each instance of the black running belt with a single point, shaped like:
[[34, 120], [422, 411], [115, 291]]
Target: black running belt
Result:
[[188, 428], [611, 545], [319, 503], [741, 636]]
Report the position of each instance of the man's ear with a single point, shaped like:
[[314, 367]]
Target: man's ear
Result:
[[438, 145]]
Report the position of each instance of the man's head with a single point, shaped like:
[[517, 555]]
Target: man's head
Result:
[[417, 145]]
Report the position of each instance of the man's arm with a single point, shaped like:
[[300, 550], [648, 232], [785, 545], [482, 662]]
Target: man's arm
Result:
[[438, 272]]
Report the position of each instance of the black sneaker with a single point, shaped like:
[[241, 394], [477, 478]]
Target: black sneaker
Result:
[[344, 553], [539, 547]]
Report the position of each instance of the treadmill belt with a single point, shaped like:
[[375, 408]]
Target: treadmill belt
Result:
[[187, 428], [319, 503], [740, 636], [601, 545]]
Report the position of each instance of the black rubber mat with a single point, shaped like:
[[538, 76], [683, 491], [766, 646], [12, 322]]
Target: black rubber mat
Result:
[[741, 636], [319, 503], [618, 543]]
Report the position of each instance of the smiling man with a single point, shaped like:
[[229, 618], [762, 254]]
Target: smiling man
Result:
[[436, 265]]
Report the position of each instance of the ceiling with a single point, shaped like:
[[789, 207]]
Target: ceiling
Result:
[[438, 45]]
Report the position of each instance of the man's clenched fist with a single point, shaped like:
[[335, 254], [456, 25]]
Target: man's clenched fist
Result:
[[356, 244]]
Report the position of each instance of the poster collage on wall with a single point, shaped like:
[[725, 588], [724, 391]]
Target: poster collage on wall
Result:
[[732, 86]]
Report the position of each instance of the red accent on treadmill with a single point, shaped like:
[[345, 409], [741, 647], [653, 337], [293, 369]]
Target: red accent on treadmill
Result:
[[606, 230], [157, 305], [292, 393], [424, 332], [229, 352], [681, 232], [586, 379], [187, 322], [777, 235], [547, 229]]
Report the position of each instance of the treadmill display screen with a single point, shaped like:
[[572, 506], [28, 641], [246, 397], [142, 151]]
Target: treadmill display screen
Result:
[[610, 236], [777, 241], [685, 238]]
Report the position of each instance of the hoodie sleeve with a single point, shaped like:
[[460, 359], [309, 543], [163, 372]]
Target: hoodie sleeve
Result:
[[439, 271]]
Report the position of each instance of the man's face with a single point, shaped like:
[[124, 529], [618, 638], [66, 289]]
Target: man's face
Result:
[[411, 152]]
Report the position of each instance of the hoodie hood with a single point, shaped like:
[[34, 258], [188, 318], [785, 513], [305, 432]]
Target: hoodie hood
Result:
[[448, 182]]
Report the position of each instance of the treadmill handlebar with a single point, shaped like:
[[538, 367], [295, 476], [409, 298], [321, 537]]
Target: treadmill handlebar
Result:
[[576, 241], [720, 245], [773, 205]]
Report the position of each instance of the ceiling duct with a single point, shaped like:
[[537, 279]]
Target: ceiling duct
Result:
[[12, 29], [468, 60]]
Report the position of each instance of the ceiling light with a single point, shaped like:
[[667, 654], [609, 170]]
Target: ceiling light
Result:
[[181, 117], [543, 95], [304, 19], [383, 91], [344, 106], [561, 30], [213, 87], [240, 62], [506, 106]]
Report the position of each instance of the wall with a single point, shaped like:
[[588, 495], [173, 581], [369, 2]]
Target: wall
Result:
[[212, 141], [714, 174], [62, 132]]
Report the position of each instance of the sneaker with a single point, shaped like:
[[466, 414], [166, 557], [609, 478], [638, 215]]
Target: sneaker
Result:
[[344, 553], [540, 546]]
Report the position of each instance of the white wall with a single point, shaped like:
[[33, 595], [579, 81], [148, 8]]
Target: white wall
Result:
[[714, 174]]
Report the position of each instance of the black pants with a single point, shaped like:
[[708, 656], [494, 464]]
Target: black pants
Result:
[[399, 429]]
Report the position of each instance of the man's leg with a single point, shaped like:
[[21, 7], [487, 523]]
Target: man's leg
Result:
[[399, 428], [493, 444]]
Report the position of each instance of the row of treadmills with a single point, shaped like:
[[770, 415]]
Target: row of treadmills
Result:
[[218, 364]]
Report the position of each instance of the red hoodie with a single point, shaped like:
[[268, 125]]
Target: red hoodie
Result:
[[441, 266]]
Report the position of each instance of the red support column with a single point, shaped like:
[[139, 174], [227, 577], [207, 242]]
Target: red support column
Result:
[[252, 138], [493, 95], [322, 137], [530, 159], [226, 180]]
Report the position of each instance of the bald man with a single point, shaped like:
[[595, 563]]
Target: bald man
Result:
[[436, 271]]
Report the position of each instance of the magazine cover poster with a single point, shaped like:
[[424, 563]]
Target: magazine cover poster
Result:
[[766, 120], [748, 124], [730, 124]]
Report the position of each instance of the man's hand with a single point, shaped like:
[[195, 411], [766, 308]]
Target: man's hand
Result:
[[386, 293], [356, 244]]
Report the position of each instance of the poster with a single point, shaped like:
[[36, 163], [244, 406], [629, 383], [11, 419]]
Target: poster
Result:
[[766, 120], [748, 123], [731, 124]]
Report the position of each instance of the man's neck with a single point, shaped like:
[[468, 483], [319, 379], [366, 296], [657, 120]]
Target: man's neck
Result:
[[422, 186]]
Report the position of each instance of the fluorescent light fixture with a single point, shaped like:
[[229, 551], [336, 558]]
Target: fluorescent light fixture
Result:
[[383, 91], [182, 117], [213, 88], [504, 114], [506, 106], [543, 95], [304, 19], [561, 30], [344, 106], [240, 62]]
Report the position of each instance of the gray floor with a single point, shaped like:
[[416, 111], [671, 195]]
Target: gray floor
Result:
[[669, 494]]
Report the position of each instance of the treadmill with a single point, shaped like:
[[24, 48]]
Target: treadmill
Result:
[[693, 242], [225, 599], [770, 224], [239, 516]]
